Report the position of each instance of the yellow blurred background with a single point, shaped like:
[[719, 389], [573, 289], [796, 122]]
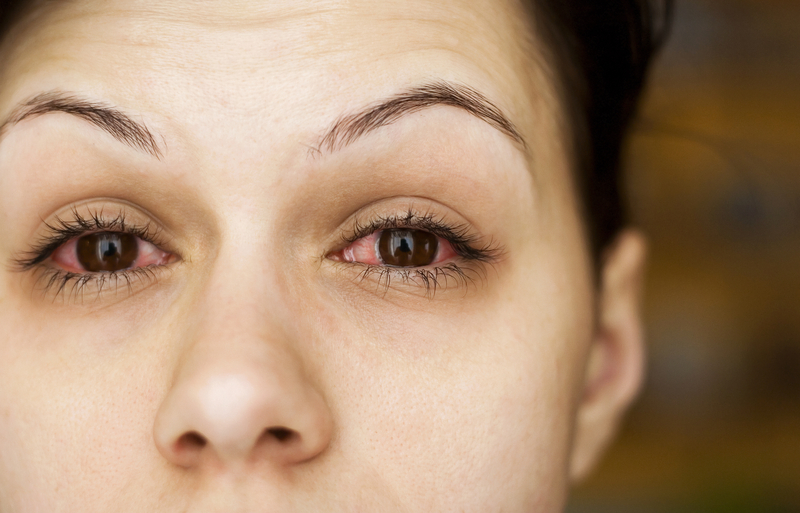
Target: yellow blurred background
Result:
[[713, 176]]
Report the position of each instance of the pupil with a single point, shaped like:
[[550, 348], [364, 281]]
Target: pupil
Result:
[[107, 251], [110, 249], [407, 248]]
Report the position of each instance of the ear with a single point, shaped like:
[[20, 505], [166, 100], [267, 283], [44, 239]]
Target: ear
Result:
[[616, 356]]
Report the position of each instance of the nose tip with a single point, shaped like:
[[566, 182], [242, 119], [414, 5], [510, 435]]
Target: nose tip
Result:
[[242, 416]]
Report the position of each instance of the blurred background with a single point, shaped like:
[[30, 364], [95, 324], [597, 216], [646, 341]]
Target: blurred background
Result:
[[713, 175]]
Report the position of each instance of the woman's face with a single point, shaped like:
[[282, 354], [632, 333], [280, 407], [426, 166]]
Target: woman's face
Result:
[[270, 256]]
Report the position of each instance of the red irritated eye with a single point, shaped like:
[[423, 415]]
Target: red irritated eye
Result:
[[108, 252], [398, 247]]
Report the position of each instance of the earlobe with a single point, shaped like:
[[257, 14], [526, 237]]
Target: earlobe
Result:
[[616, 356]]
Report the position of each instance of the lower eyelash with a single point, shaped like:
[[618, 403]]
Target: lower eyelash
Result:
[[73, 287], [431, 279]]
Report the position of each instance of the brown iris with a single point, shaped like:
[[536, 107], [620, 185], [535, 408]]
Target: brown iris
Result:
[[407, 248], [107, 251]]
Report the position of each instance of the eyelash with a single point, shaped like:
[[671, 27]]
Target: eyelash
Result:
[[75, 284], [467, 247]]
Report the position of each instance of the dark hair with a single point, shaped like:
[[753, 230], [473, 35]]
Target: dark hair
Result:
[[9, 9], [600, 51]]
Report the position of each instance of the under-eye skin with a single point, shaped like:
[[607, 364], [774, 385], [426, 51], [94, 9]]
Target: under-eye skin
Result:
[[95, 254], [415, 249]]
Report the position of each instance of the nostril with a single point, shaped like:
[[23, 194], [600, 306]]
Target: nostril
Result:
[[191, 440], [280, 433]]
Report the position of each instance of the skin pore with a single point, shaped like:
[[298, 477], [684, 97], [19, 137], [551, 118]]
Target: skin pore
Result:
[[254, 366]]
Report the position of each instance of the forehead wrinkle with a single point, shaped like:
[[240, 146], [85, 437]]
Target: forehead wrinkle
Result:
[[150, 25], [437, 37], [465, 21], [206, 15], [153, 25]]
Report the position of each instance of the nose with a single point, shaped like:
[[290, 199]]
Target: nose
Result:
[[241, 398]]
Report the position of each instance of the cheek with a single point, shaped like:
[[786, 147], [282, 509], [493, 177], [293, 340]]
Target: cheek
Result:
[[76, 410], [465, 408]]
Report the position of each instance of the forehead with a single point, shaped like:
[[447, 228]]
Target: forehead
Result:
[[273, 59]]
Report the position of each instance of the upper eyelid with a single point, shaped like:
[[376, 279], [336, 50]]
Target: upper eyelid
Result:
[[410, 219]]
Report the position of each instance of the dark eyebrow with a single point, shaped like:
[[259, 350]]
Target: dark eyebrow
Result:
[[106, 117], [350, 127]]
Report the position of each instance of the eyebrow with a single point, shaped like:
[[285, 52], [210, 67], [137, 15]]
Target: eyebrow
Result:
[[347, 129], [105, 117]]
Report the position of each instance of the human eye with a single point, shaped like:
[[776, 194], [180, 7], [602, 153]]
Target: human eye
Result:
[[420, 249], [91, 251]]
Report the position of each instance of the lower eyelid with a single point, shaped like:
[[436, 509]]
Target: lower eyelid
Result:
[[87, 288], [419, 282]]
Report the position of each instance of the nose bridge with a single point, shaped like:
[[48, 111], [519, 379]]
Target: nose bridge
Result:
[[245, 278], [240, 390], [244, 294], [235, 318]]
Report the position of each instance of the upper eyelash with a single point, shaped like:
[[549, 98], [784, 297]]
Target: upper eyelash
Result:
[[62, 231], [463, 242]]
